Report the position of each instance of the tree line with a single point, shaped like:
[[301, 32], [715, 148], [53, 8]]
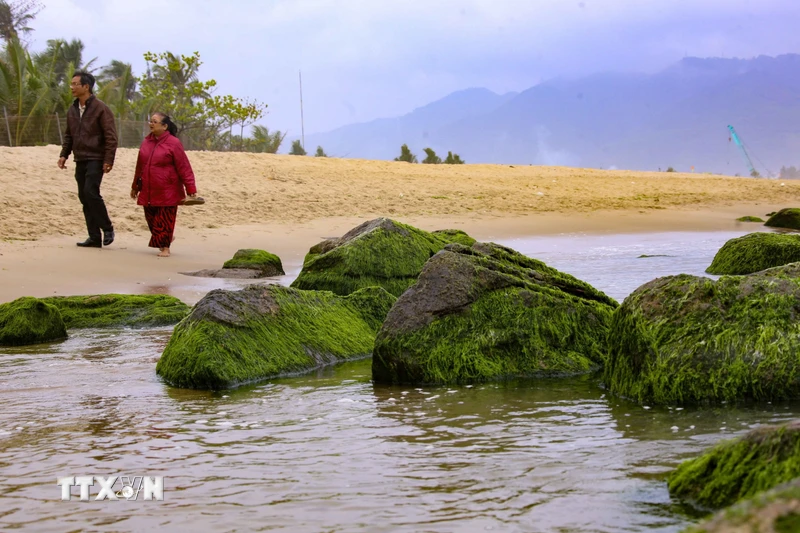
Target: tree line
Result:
[[34, 86], [430, 157]]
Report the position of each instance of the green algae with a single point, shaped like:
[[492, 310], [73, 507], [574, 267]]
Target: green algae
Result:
[[30, 320], [237, 337], [490, 313], [749, 219], [788, 218], [119, 310], [379, 253], [266, 263], [740, 468], [755, 252], [686, 339]]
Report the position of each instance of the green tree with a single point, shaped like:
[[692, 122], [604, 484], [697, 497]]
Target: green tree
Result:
[[320, 152], [297, 148], [431, 158], [171, 85], [118, 88], [25, 87], [406, 155], [15, 15], [265, 141], [453, 159]]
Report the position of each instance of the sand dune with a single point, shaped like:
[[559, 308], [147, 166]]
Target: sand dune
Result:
[[38, 199]]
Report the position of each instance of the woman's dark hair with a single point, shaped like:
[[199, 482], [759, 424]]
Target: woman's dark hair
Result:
[[86, 78], [167, 121]]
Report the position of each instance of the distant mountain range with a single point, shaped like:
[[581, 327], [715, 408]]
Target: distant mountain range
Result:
[[677, 117]]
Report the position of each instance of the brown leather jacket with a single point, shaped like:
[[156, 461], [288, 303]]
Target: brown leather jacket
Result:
[[93, 137]]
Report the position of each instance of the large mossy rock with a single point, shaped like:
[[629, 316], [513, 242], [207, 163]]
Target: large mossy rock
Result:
[[263, 262], [687, 339], [30, 321], [489, 313], [776, 511], [788, 218], [119, 310], [381, 253], [740, 468], [755, 252], [266, 331]]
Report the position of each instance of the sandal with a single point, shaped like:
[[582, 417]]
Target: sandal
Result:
[[196, 200]]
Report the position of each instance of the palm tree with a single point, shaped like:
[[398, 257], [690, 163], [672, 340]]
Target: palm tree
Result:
[[15, 17], [66, 56], [121, 73], [266, 142], [25, 87]]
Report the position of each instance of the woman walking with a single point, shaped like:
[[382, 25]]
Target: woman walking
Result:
[[162, 180]]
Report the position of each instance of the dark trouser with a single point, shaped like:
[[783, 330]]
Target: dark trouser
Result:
[[89, 174], [161, 221]]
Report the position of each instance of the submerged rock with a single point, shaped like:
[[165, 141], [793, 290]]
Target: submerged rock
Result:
[[119, 310], [488, 313], [776, 511], [755, 252], [688, 339], [381, 253], [30, 320], [226, 273], [266, 331], [788, 218], [749, 219], [739, 468], [246, 263]]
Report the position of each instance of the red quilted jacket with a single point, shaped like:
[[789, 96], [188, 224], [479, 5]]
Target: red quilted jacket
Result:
[[165, 171]]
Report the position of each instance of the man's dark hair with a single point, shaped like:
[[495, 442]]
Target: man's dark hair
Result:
[[86, 79]]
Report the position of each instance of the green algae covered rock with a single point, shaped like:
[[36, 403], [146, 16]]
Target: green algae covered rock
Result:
[[119, 310], [754, 252], [739, 468], [776, 511], [29, 320], [455, 236], [490, 313], [687, 339], [788, 218], [265, 263], [266, 331], [381, 253], [749, 219]]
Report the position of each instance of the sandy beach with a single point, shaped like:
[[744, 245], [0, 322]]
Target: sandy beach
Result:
[[285, 204]]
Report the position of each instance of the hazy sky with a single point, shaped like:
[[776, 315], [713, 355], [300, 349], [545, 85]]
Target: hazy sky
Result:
[[365, 59]]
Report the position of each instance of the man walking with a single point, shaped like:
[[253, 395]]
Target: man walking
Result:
[[92, 136]]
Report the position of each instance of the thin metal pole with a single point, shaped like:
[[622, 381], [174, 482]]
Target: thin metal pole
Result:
[[60, 135], [8, 128], [302, 123]]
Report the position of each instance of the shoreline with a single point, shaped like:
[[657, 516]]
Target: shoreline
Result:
[[54, 266]]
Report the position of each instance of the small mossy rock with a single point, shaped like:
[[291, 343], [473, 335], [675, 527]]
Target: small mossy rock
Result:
[[755, 252], [490, 313], [266, 331], [788, 218], [119, 310], [455, 236], [749, 219], [692, 340], [739, 468], [30, 320], [265, 263], [378, 253], [776, 510]]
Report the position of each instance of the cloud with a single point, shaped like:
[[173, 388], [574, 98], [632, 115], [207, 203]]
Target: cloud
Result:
[[363, 59]]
